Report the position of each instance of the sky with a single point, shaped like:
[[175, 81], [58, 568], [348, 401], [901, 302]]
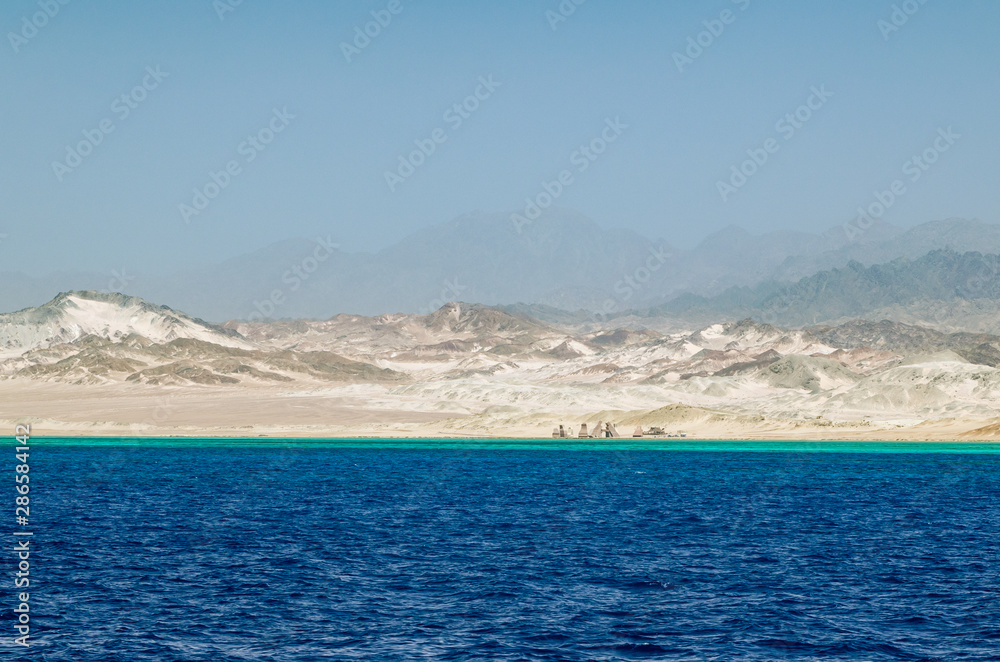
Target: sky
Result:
[[161, 135]]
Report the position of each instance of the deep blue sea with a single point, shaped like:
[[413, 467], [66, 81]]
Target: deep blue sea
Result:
[[377, 550]]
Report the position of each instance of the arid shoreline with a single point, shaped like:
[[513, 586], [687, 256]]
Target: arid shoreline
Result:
[[62, 410]]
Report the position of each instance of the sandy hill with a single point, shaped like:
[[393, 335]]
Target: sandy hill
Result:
[[98, 338], [73, 315]]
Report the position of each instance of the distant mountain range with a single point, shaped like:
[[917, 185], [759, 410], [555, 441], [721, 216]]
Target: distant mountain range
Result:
[[942, 289], [562, 261]]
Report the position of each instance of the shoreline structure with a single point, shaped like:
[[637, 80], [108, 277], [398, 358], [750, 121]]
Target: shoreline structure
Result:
[[218, 434]]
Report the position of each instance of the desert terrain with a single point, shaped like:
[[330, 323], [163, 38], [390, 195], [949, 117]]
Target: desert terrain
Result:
[[97, 364]]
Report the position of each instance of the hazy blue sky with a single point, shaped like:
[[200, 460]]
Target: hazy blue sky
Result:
[[325, 171]]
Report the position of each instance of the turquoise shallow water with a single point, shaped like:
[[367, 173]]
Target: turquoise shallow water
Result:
[[625, 444]]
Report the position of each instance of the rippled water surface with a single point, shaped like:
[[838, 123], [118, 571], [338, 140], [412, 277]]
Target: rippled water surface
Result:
[[514, 551]]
